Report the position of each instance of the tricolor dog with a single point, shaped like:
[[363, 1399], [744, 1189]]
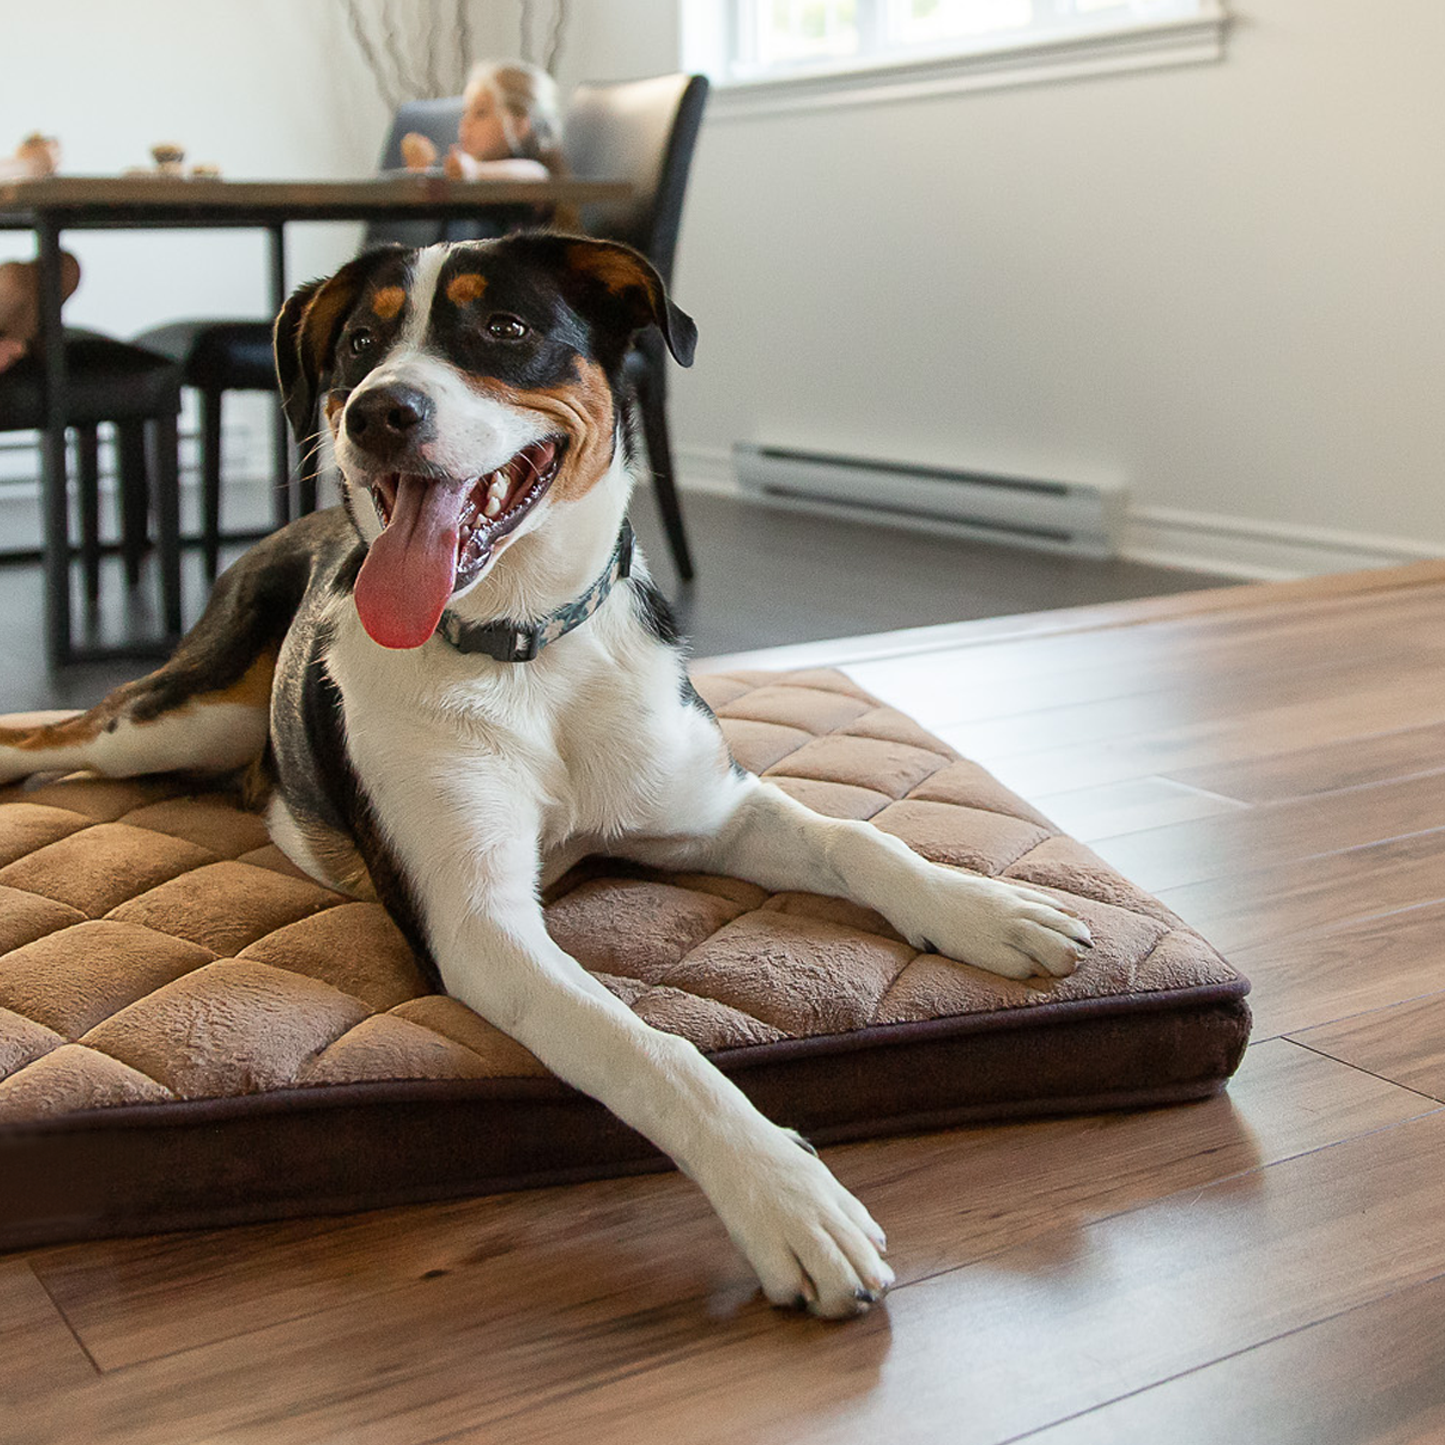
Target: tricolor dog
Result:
[[461, 681]]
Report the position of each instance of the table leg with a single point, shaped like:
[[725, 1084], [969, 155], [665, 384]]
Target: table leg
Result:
[[284, 509], [168, 520], [52, 450]]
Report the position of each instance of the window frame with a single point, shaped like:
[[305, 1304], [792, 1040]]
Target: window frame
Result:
[[709, 40]]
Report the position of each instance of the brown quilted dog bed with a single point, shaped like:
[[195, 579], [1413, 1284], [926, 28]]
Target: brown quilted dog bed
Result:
[[193, 1033]]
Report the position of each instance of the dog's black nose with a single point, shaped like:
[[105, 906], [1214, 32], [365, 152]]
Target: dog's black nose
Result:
[[388, 418]]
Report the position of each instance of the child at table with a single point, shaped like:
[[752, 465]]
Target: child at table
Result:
[[511, 127]]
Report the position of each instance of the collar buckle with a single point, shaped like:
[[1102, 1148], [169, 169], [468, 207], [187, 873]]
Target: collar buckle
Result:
[[526, 643]]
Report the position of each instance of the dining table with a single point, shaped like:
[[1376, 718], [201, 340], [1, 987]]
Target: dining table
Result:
[[52, 205]]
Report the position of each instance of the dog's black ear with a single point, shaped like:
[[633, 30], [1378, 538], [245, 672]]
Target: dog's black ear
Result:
[[306, 332], [622, 284]]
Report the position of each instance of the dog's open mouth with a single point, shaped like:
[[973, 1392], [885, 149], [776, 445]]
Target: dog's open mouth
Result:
[[438, 535]]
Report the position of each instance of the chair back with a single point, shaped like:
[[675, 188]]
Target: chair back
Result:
[[437, 120], [643, 131]]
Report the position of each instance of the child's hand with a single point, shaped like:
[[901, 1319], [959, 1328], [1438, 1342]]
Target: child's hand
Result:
[[417, 152], [460, 166]]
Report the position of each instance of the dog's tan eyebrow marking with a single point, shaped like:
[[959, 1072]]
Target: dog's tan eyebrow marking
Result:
[[388, 301], [465, 288], [616, 270]]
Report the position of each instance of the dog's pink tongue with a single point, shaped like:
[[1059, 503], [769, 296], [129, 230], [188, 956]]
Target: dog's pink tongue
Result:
[[409, 571]]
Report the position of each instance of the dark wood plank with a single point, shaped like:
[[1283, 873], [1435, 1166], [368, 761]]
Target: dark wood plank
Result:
[[1404, 1043], [1309, 895], [1308, 771], [1245, 841], [166, 195], [1390, 1352], [1331, 715], [1184, 664], [1319, 975], [38, 1353]]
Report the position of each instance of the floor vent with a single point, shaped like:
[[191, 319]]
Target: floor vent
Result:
[[1079, 517]]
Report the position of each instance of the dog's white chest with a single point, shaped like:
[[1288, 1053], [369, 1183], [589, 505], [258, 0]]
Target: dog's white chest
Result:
[[591, 740]]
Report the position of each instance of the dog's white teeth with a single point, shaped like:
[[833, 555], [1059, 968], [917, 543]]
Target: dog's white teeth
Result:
[[498, 487], [494, 505]]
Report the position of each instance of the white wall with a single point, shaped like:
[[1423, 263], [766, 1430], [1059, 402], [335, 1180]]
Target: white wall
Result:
[[263, 88], [1222, 283]]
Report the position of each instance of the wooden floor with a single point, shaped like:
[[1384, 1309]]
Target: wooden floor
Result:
[[1268, 1266]]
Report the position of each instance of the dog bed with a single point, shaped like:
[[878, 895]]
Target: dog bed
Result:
[[193, 1033]]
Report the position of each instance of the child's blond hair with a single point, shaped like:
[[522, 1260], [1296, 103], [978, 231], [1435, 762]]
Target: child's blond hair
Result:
[[522, 93]]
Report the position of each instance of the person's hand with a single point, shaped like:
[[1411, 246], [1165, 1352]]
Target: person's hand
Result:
[[418, 153]]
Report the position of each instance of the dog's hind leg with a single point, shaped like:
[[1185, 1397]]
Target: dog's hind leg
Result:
[[154, 725], [207, 710]]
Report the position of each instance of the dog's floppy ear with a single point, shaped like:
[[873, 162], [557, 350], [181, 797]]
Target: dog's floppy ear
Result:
[[306, 332], [608, 278]]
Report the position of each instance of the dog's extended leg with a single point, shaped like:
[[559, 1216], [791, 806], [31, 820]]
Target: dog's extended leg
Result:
[[774, 841], [809, 1240]]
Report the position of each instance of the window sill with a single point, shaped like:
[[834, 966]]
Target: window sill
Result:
[[1197, 41]]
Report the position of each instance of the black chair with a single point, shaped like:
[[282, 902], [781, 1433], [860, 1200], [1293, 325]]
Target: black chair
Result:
[[643, 131], [220, 356], [139, 392]]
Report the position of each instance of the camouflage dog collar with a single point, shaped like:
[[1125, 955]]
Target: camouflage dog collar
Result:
[[508, 641]]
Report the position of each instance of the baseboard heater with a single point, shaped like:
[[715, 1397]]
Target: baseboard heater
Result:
[[1078, 517]]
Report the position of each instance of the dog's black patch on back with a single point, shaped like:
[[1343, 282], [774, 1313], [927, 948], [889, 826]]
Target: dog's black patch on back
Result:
[[249, 612]]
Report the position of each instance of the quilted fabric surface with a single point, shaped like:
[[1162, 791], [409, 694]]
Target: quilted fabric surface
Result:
[[157, 950]]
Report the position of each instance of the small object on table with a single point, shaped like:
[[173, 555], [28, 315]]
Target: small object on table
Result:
[[168, 157], [205, 173], [36, 157]]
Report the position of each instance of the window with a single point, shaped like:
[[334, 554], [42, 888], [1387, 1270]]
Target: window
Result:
[[801, 47]]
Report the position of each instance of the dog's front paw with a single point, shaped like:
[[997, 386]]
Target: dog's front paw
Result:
[[812, 1244], [996, 925]]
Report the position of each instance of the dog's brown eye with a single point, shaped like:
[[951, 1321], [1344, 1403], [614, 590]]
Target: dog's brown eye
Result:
[[361, 341], [506, 328]]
